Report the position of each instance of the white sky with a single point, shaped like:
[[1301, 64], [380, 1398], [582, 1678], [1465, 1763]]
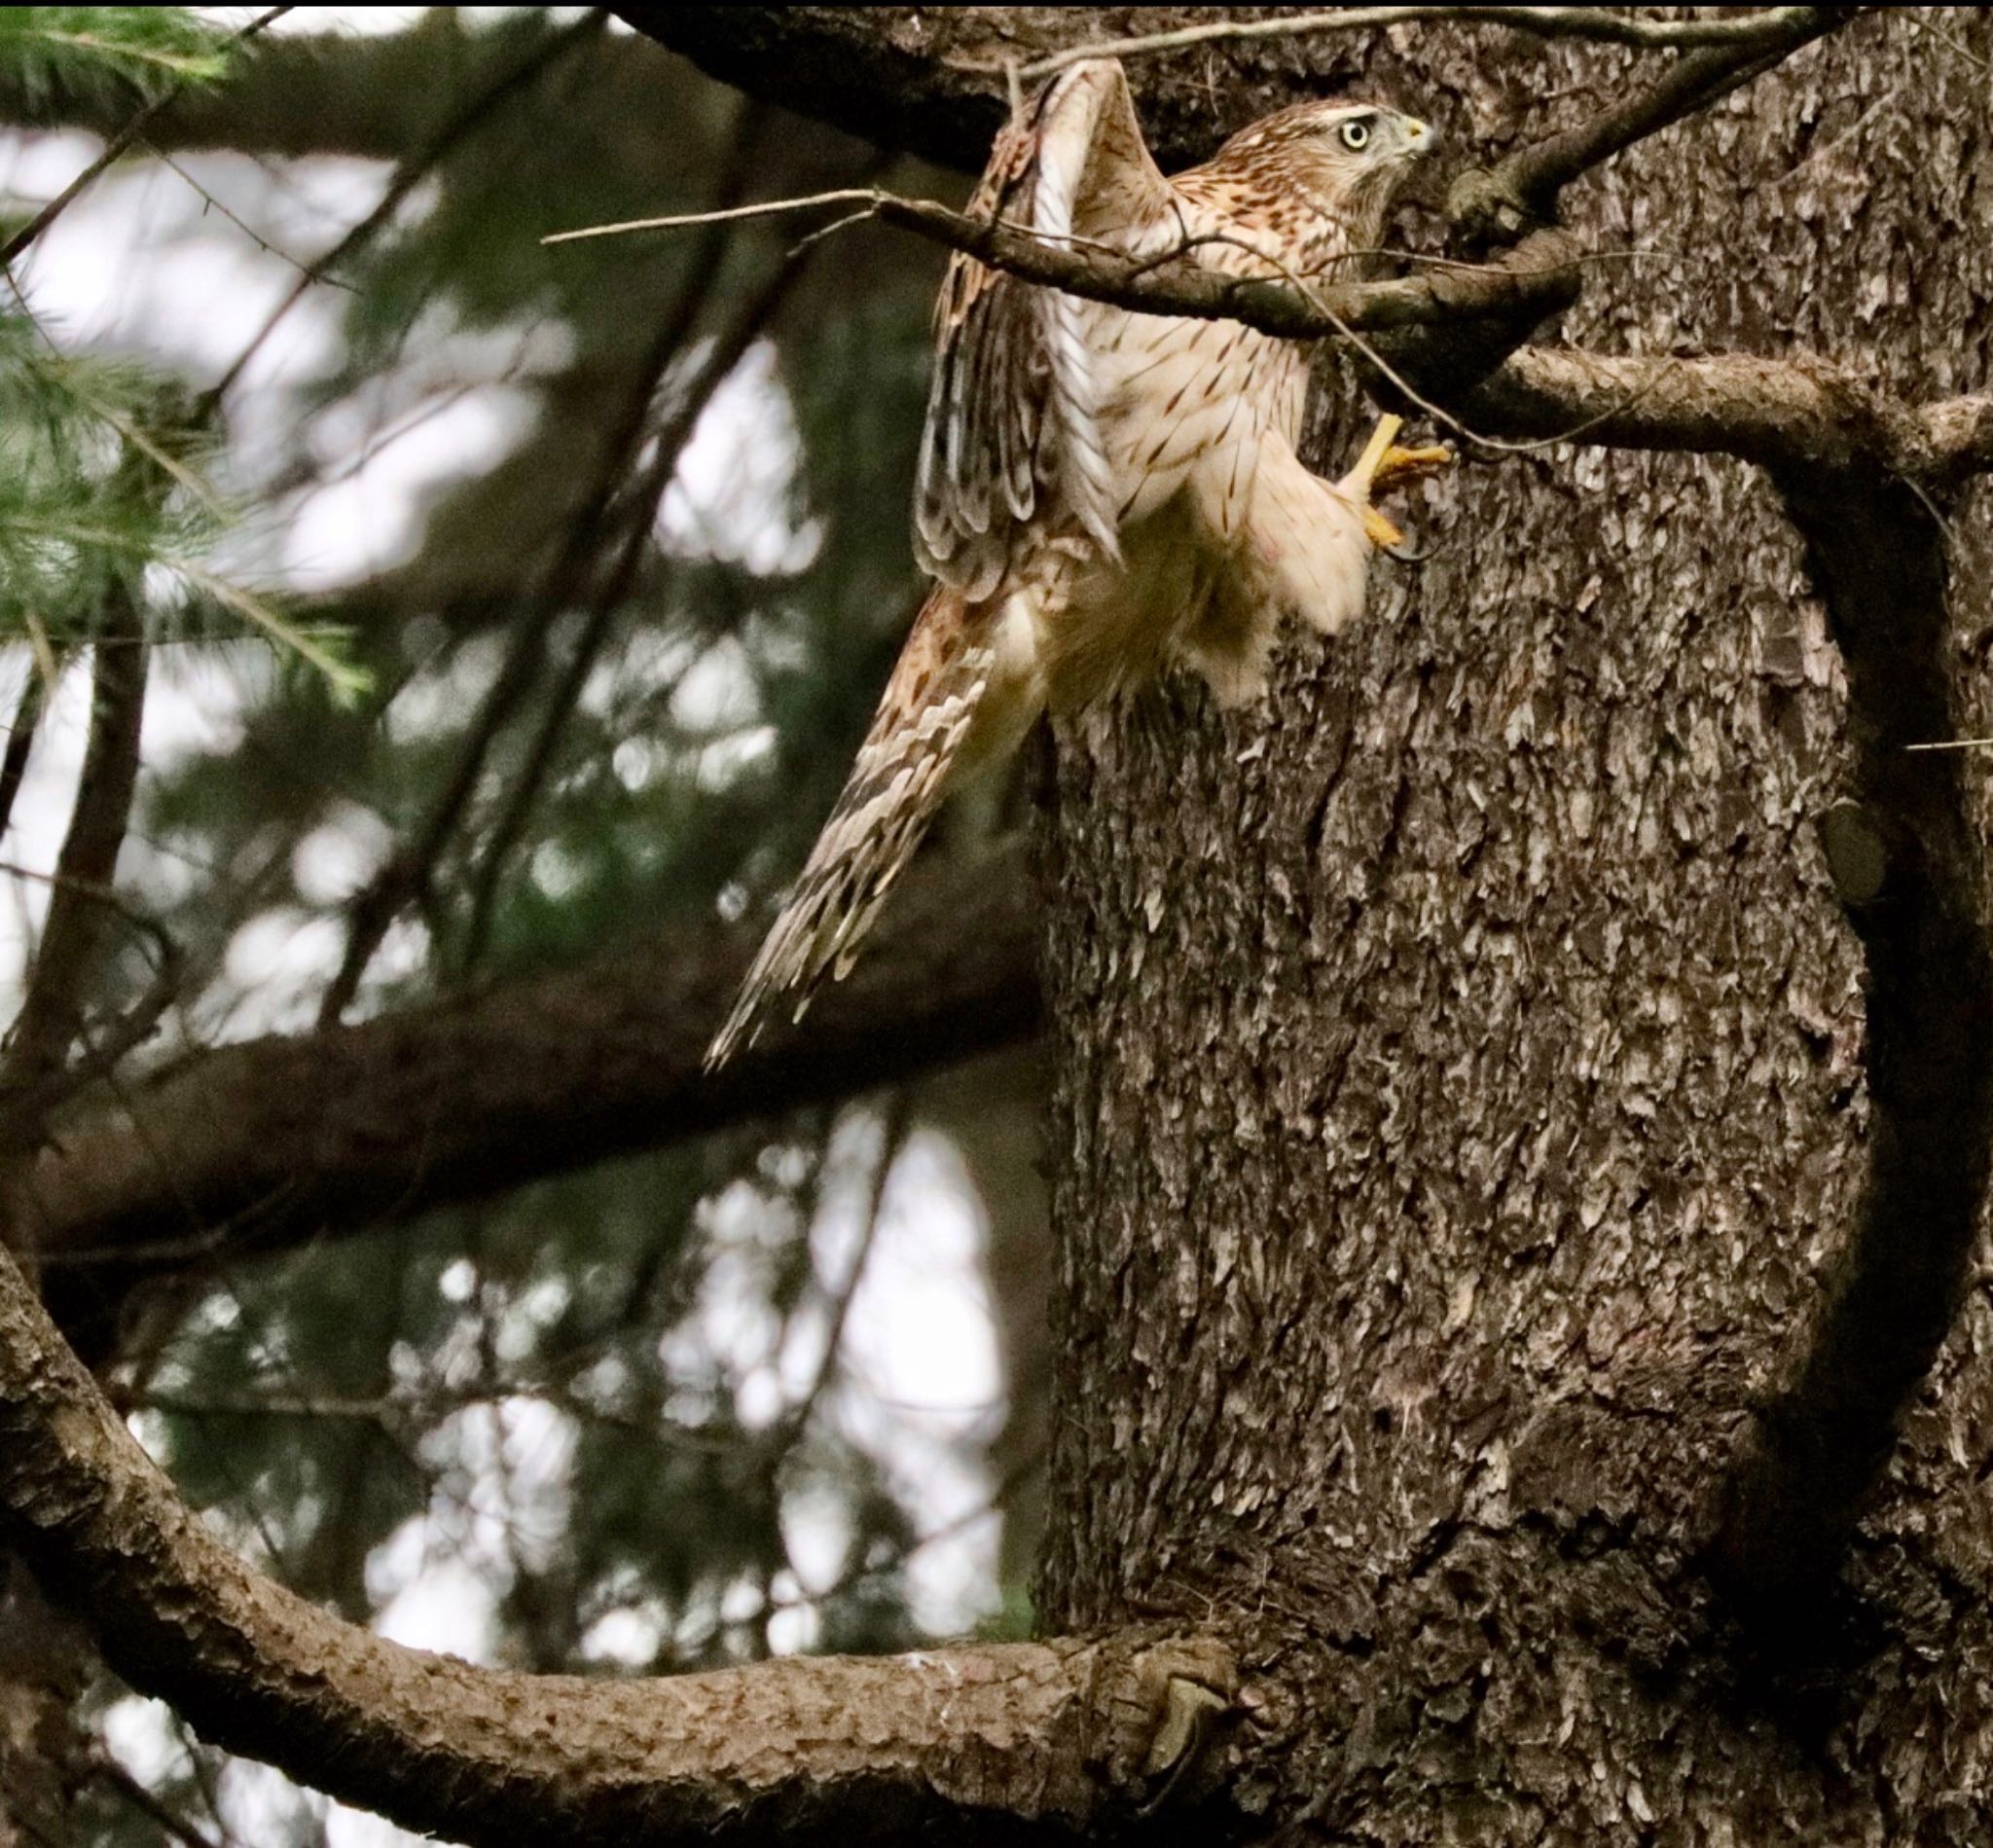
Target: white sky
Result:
[[144, 263]]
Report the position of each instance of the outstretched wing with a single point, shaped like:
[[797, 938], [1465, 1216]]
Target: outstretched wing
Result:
[[1014, 415]]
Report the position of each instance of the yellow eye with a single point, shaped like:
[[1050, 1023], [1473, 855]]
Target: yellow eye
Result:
[[1356, 136]]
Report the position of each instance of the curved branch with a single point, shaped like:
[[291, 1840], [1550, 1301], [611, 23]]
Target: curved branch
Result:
[[1907, 863], [804, 1750], [1533, 176], [935, 80]]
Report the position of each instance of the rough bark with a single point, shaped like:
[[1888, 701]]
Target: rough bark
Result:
[[1466, 1120], [268, 1143]]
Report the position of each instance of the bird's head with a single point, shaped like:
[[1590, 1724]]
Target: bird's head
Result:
[[1345, 158]]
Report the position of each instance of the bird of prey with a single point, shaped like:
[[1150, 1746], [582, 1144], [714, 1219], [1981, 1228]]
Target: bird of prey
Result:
[[1101, 492]]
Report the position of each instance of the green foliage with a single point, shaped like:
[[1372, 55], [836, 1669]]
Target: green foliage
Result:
[[50, 51], [107, 515]]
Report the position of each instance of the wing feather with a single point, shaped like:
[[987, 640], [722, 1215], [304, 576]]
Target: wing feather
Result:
[[1014, 412]]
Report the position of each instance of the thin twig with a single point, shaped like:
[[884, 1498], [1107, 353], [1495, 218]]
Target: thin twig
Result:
[[869, 196], [207, 197], [670, 440], [115, 1777], [1945, 38], [703, 273], [114, 150], [892, 1137], [1573, 23]]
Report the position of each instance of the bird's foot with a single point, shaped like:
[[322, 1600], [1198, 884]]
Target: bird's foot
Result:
[[1396, 467], [1385, 536], [1384, 466]]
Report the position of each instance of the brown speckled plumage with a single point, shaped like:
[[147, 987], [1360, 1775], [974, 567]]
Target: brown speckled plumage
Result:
[[1101, 493]]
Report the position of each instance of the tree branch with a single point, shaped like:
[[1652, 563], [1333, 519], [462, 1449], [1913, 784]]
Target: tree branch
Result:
[[52, 1008], [1524, 287], [1530, 178], [409, 173], [406, 875], [1762, 29], [274, 1141], [1906, 861], [804, 1750]]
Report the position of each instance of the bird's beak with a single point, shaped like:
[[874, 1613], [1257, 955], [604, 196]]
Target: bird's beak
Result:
[[1420, 137]]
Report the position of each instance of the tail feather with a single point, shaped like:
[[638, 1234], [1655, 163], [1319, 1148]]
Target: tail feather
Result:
[[932, 716]]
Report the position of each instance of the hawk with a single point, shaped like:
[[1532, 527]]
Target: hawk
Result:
[[1102, 492]]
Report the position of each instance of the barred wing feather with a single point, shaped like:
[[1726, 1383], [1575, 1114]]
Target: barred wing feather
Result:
[[1014, 412]]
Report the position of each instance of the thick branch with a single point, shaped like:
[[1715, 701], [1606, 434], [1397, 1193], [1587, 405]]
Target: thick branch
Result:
[[275, 1140], [1782, 414], [801, 1750], [1907, 863]]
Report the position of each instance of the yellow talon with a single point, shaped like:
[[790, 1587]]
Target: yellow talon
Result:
[[1397, 466], [1383, 467], [1383, 534]]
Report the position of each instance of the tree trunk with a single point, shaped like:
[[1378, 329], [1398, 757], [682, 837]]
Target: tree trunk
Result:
[[1460, 1099], [1507, 1166]]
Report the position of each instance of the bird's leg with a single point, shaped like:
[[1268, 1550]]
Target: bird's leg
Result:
[[1383, 467]]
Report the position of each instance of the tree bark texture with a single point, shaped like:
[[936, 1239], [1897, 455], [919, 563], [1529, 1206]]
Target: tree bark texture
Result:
[[1461, 1109]]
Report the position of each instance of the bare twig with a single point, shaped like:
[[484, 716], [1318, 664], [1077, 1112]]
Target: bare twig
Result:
[[1758, 28], [726, 353], [115, 1777], [114, 150], [406, 875], [1949, 39], [892, 1136], [675, 328]]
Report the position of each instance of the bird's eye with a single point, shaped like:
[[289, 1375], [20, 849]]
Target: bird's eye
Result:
[[1356, 136]]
